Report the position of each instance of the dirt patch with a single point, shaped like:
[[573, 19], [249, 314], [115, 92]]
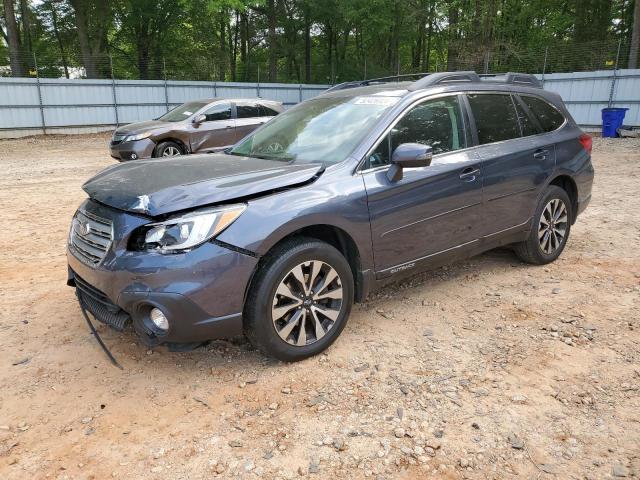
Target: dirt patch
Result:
[[487, 368]]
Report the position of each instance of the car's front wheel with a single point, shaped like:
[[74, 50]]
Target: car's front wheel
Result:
[[300, 299], [550, 229], [167, 149]]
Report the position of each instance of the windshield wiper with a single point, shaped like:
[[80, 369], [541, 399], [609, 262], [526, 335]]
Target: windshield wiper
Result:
[[262, 156]]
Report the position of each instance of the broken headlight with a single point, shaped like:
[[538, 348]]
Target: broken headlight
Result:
[[191, 229]]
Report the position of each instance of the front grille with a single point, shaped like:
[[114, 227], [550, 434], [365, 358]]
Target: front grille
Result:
[[100, 306], [118, 138], [91, 237]]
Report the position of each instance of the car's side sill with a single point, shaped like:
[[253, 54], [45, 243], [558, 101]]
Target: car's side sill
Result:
[[410, 265], [468, 249]]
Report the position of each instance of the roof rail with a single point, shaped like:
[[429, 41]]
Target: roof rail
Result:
[[373, 81], [444, 78], [513, 78]]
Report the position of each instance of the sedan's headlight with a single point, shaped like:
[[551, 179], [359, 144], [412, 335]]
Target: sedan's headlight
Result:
[[190, 230], [139, 136]]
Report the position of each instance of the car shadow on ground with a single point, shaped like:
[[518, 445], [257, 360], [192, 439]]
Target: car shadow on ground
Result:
[[218, 352]]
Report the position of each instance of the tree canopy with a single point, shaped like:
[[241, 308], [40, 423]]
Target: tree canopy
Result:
[[317, 41]]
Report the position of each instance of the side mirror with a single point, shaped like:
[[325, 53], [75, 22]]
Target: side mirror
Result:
[[408, 155], [198, 119]]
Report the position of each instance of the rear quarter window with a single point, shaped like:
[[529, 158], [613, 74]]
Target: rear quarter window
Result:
[[267, 112], [548, 116]]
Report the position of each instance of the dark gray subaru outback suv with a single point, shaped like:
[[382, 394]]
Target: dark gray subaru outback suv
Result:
[[325, 203]]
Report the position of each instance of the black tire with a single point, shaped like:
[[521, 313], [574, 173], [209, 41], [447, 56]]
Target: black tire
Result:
[[531, 250], [164, 147], [277, 266]]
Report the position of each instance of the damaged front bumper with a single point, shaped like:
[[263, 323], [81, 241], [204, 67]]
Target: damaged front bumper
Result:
[[201, 292]]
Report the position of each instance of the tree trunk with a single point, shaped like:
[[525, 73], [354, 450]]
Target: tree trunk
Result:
[[452, 50], [427, 49], [15, 55], [244, 44], [234, 48], [26, 28], [329, 35], [418, 46], [223, 48], [635, 37], [82, 26], [56, 32], [396, 39], [273, 53], [307, 48]]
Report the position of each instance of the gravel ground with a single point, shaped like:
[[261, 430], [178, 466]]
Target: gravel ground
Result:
[[485, 369]]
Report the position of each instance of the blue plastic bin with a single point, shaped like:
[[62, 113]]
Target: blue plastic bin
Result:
[[612, 119]]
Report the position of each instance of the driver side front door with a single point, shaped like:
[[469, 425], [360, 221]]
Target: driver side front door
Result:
[[432, 210]]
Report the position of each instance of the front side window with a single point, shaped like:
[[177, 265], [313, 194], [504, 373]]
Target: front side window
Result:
[[550, 119], [182, 112], [436, 123], [495, 116], [323, 129], [248, 111], [220, 111]]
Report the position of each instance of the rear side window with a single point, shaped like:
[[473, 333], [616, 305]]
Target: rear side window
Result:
[[495, 116], [526, 123], [267, 112], [550, 119], [249, 111]]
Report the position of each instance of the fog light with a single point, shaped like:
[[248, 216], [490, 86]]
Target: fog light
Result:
[[158, 318], [133, 156]]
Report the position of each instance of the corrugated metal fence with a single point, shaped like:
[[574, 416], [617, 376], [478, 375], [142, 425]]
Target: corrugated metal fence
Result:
[[587, 93], [31, 106]]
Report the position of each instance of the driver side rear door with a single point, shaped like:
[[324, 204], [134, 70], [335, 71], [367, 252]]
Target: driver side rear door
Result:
[[218, 129], [431, 210]]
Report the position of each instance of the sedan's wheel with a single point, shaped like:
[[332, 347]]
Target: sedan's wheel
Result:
[[167, 149], [552, 224], [170, 152], [307, 303], [300, 299]]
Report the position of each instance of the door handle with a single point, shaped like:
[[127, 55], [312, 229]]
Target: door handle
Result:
[[469, 174], [228, 126], [541, 154]]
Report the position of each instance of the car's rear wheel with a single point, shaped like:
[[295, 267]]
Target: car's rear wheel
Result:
[[300, 300], [550, 229], [168, 149]]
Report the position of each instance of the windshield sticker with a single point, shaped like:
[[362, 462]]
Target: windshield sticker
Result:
[[187, 113], [385, 101]]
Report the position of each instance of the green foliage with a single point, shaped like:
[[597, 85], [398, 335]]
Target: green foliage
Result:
[[320, 41]]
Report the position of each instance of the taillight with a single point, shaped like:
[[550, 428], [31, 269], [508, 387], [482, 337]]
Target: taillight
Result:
[[587, 142]]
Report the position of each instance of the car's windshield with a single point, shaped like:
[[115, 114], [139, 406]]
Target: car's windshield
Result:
[[320, 130], [182, 112]]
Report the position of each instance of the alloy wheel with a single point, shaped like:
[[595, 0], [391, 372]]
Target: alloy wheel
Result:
[[171, 152], [552, 228], [307, 303]]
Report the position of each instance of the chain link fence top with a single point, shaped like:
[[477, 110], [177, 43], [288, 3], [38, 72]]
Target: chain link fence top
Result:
[[551, 58]]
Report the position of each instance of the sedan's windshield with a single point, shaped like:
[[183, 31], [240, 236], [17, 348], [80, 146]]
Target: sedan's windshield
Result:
[[320, 130], [182, 112]]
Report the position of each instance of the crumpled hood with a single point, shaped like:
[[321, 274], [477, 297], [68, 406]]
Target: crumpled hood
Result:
[[160, 186]]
